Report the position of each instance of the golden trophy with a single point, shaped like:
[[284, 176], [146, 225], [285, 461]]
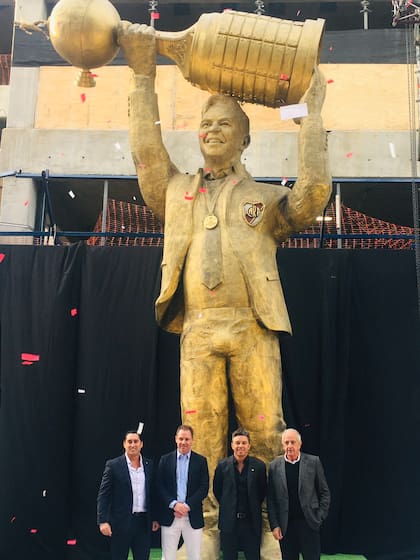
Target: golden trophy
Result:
[[253, 58]]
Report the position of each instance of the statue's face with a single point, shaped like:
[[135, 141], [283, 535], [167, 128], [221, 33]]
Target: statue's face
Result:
[[221, 137]]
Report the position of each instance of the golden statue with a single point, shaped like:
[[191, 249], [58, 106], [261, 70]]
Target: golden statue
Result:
[[220, 284]]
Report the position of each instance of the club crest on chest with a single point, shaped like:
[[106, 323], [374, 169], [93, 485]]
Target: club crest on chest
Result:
[[252, 212]]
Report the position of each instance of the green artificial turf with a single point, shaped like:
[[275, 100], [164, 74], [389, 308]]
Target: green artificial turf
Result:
[[156, 555]]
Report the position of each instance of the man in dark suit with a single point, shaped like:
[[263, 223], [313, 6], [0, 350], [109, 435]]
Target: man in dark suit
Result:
[[183, 483], [124, 504], [240, 485], [298, 499]]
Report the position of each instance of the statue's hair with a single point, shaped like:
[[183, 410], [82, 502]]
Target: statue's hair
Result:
[[219, 99]]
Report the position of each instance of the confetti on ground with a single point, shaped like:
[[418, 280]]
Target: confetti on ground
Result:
[[349, 155], [73, 312], [193, 411], [83, 97], [2, 257], [284, 77], [202, 189], [293, 111], [188, 196], [72, 542]]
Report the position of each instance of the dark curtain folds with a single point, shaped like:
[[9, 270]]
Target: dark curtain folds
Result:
[[351, 386]]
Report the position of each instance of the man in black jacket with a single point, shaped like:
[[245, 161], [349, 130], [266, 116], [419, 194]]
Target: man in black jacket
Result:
[[124, 502], [240, 485]]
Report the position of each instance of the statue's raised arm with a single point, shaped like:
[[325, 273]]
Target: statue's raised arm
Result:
[[153, 165], [312, 189]]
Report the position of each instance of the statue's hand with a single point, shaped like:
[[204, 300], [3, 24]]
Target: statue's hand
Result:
[[138, 42], [315, 94]]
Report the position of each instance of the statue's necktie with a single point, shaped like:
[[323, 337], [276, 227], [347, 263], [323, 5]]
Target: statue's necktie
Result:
[[211, 266]]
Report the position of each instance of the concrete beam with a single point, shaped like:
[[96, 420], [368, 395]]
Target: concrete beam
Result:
[[271, 154]]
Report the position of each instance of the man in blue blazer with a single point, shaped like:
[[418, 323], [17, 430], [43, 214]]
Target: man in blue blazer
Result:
[[124, 505], [183, 483], [298, 499], [240, 484]]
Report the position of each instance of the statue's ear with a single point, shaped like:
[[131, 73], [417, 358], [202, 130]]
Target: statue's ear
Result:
[[246, 141]]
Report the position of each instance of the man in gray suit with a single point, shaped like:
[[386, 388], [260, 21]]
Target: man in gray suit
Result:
[[298, 499]]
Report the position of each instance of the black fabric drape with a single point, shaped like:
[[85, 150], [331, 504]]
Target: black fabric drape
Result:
[[351, 386]]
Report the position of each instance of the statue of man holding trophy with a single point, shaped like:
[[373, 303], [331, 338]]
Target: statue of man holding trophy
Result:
[[220, 288]]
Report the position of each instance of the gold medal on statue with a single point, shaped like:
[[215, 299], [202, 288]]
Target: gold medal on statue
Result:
[[210, 222]]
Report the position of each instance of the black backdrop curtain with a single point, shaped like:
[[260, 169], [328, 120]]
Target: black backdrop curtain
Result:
[[81, 359]]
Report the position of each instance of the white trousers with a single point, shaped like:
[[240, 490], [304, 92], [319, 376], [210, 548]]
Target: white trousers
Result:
[[171, 535]]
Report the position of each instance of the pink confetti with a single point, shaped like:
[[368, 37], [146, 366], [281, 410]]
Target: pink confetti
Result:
[[26, 203], [94, 75], [188, 196], [284, 77], [2, 257], [349, 155], [30, 357], [331, 48], [283, 180], [71, 542], [203, 135], [155, 15], [73, 312], [228, 10], [261, 417], [27, 363], [83, 97], [141, 165], [33, 531], [202, 189], [13, 519], [234, 181], [207, 170], [330, 81], [192, 411]]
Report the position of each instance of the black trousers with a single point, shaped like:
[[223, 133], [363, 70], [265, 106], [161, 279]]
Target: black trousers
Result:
[[136, 537], [301, 538], [244, 538]]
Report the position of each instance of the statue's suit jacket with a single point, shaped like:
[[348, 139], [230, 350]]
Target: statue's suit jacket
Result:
[[224, 488], [115, 496], [197, 488], [314, 494], [255, 246]]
